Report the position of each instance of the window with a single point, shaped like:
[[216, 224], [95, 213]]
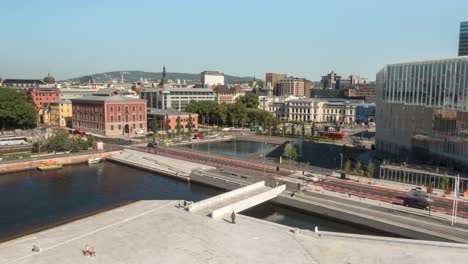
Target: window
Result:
[[119, 118], [133, 126], [112, 119], [134, 118], [120, 127], [141, 125], [126, 109], [141, 117], [112, 110], [118, 109], [141, 108], [133, 108]]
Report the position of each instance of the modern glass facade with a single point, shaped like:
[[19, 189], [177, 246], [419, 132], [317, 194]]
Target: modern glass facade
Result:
[[463, 43], [422, 112]]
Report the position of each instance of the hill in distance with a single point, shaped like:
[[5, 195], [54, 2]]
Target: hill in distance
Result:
[[135, 76]]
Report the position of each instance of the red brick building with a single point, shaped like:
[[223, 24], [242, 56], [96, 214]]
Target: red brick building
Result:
[[112, 116], [161, 117], [43, 96]]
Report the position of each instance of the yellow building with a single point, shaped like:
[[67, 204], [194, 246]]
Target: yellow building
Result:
[[61, 113], [43, 116]]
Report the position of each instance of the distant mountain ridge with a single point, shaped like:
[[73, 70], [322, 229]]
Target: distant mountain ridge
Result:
[[135, 76]]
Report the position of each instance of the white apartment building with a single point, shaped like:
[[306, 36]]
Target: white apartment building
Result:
[[308, 110], [209, 78]]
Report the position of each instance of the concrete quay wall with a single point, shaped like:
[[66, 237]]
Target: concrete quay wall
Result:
[[67, 159]]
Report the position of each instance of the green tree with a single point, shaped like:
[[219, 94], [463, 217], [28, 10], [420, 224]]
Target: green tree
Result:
[[357, 167], [155, 128], [293, 129], [290, 151], [443, 182], [312, 129], [370, 169], [190, 125], [249, 100], [59, 141], [178, 125], [167, 126], [347, 166], [16, 110]]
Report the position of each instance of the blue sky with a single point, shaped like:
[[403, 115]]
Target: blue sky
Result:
[[302, 38]]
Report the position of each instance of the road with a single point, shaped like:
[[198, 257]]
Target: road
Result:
[[330, 184]]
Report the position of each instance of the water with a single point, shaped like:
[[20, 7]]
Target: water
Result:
[[33, 200], [233, 148]]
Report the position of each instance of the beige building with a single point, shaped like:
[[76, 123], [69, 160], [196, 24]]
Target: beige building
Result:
[[273, 79], [61, 113], [308, 110], [228, 95]]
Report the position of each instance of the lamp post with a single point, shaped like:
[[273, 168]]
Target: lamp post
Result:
[[430, 198], [341, 154]]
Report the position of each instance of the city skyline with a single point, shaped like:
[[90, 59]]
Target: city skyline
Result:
[[241, 39]]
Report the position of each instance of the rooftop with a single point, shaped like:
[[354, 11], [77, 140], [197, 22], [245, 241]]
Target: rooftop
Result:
[[168, 112], [458, 58], [160, 232], [61, 101], [115, 98]]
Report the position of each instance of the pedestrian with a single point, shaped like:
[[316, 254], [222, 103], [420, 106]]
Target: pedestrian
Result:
[[349, 195], [233, 217], [86, 251]]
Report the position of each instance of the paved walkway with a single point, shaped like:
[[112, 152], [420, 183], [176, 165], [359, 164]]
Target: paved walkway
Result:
[[160, 232]]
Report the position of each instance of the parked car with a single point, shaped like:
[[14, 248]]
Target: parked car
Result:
[[140, 132], [198, 136]]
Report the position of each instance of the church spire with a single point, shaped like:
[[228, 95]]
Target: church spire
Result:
[[164, 82]]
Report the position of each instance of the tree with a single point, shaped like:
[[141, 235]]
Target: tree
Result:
[[347, 166], [167, 126], [59, 141], [249, 100], [293, 129], [443, 182], [370, 169], [190, 125], [155, 128], [178, 125], [16, 110], [303, 129], [290, 151], [357, 167], [312, 129]]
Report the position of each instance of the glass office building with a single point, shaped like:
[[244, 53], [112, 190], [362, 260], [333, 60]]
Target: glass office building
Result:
[[422, 112], [463, 43]]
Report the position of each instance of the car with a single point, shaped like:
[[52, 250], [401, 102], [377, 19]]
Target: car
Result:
[[311, 177], [198, 136], [416, 199], [140, 132], [152, 145]]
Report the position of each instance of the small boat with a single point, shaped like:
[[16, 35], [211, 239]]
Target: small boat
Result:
[[49, 165], [94, 160]]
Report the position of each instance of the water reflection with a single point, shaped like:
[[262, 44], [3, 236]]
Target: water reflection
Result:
[[233, 148]]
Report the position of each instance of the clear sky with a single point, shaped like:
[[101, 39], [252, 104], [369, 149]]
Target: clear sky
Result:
[[307, 38]]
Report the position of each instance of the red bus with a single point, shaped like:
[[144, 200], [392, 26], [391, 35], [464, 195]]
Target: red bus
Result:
[[331, 134]]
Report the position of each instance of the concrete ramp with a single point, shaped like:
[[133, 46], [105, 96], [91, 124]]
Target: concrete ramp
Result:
[[237, 200]]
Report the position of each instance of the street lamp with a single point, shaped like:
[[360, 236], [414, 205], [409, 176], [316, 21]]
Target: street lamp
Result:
[[341, 154]]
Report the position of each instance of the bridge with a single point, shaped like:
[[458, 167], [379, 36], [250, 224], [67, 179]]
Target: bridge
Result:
[[237, 200]]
